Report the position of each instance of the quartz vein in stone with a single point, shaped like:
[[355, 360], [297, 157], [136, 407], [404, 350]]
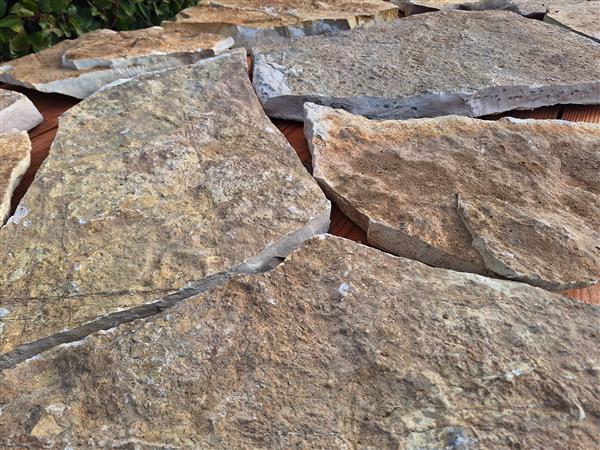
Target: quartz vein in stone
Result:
[[167, 179], [529, 191], [458, 62], [17, 112], [342, 346], [15, 155]]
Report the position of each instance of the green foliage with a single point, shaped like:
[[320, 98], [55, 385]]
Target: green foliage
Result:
[[31, 25]]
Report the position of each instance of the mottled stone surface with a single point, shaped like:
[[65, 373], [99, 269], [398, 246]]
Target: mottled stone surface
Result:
[[523, 7], [163, 180], [529, 191], [458, 62], [582, 17], [343, 346], [105, 56], [15, 155], [256, 22], [17, 112]]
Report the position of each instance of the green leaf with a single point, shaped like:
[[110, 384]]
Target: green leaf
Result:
[[13, 22], [2, 7]]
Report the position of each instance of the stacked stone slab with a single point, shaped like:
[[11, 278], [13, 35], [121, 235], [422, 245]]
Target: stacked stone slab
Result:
[[15, 156], [523, 7], [582, 17], [81, 66], [255, 22], [466, 63], [17, 112], [153, 187], [519, 199]]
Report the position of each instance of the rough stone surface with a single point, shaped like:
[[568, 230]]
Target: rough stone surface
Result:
[[17, 112], [254, 22], [105, 56], [440, 63], [529, 191], [582, 17], [523, 7], [163, 180], [343, 346], [15, 155]]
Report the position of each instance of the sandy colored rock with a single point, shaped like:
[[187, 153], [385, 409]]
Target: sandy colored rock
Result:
[[15, 155], [17, 112], [255, 22], [104, 56], [582, 17], [529, 191], [523, 7], [343, 346], [164, 180], [441, 63]]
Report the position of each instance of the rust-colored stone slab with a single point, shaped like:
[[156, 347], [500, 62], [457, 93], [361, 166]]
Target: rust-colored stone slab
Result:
[[17, 112], [15, 155]]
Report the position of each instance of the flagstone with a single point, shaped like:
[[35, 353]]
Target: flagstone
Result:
[[15, 156], [582, 17], [17, 112], [523, 7]]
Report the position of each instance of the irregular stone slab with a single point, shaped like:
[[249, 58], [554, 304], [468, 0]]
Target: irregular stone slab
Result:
[[529, 191], [253, 22], [164, 180], [343, 346], [81, 66], [15, 156], [407, 68], [17, 112], [582, 17], [523, 7]]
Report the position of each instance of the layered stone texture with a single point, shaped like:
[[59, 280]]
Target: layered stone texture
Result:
[[165, 180], [466, 63], [81, 66], [17, 112], [343, 346], [15, 156], [582, 17], [255, 22], [523, 7], [528, 191]]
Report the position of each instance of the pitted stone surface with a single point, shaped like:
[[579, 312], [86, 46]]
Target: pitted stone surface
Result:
[[163, 180], [529, 191], [440, 63], [255, 22], [523, 7], [105, 56], [343, 346], [17, 112], [15, 155], [582, 17]]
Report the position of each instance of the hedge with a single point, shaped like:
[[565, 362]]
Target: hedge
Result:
[[31, 25]]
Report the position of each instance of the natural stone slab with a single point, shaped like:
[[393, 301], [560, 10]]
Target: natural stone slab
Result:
[[582, 17], [343, 346], [523, 7], [81, 66], [408, 69], [163, 180], [15, 156], [254, 22], [529, 191], [17, 112]]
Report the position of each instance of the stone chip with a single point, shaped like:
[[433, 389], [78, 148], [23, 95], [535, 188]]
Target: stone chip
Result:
[[17, 112], [15, 156]]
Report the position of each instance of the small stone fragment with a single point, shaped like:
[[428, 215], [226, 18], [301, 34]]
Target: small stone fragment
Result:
[[522, 7], [168, 179], [15, 156], [582, 17], [81, 66], [528, 191], [254, 22], [17, 112], [427, 65], [408, 357]]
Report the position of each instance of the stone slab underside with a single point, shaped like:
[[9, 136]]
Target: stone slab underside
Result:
[[254, 22], [523, 7], [529, 191], [343, 346], [17, 112], [15, 156], [458, 62], [582, 17], [81, 66], [167, 179]]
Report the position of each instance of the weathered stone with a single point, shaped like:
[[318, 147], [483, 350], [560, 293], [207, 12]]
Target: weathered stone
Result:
[[17, 112], [523, 7], [529, 191], [15, 155], [343, 346], [582, 17], [167, 179], [440, 63], [105, 56], [254, 22]]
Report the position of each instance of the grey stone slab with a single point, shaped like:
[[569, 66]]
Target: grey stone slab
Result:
[[17, 112]]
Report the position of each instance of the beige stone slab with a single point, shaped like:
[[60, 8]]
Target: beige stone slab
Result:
[[582, 17], [343, 346], [399, 181], [17, 112], [169, 179], [535, 8], [15, 156]]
